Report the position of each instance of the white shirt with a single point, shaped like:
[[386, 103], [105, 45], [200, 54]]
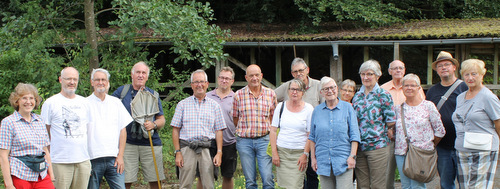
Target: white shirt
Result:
[[68, 120], [107, 119], [293, 127]]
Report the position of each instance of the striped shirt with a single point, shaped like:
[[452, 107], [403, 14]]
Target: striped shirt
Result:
[[23, 138], [253, 112], [198, 120]]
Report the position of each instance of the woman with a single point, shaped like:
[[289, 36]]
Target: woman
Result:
[[477, 113], [423, 125], [290, 149], [334, 138], [23, 134], [347, 90], [376, 120]]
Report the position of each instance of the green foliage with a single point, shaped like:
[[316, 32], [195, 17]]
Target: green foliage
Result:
[[370, 12]]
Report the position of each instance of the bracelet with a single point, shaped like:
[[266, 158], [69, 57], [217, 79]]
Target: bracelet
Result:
[[307, 154], [219, 151]]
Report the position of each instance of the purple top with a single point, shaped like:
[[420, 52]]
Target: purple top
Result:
[[226, 105]]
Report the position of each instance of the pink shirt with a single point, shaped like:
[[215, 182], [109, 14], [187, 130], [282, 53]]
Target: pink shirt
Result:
[[397, 92], [423, 122]]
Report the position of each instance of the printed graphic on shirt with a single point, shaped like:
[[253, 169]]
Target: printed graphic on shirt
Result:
[[71, 122]]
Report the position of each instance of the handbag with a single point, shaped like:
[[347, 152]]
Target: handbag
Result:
[[419, 164], [269, 150], [478, 141]]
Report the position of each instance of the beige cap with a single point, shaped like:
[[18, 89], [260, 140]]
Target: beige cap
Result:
[[443, 55]]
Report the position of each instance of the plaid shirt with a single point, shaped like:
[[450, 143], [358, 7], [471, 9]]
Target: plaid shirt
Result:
[[198, 120], [253, 113], [23, 138]]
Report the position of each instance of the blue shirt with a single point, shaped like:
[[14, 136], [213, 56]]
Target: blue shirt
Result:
[[127, 99], [333, 130]]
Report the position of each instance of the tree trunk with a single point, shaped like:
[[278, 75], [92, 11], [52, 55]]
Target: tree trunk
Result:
[[91, 34]]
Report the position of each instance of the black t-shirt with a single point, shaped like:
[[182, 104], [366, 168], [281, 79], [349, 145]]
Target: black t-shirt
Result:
[[434, 94]]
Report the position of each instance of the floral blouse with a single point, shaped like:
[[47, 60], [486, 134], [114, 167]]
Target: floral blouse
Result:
[[374, 110], [423, 122]]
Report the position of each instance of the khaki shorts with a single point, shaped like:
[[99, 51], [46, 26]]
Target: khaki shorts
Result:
[[134, 154], [72, 175]]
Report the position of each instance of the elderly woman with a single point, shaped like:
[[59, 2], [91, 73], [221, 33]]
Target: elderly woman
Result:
[[23, 137], [290, 149], [376, 120], [347, 90], [477, 123], [334, 138], [423, 125]]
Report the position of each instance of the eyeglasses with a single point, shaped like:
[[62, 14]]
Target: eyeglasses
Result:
[[326, 89], [368, 74], [198, 82], [411, 86], [295, 90], [299, 70], [100, 80], [347, 90], [225, 78], [397, 68], [70, 79], [443, 65]]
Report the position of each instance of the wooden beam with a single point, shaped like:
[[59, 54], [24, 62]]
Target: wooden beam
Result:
[[306, 56], [396, 52], [218, 66], [495, 65], [429, 64], [366, 53], [252, 56], [278, 66], [244, 68]]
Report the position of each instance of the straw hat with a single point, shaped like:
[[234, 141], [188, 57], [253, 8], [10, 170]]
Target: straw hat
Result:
[[443, 55]]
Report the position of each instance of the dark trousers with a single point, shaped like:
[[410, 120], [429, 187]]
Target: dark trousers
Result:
[[311, 181]]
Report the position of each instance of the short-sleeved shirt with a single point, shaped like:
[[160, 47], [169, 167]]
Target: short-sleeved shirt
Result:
[[434, 95], [226, 104], [333, 130], [107, 118], [374, 110], [422, 123], [312, 94], [476, 115], [23, 138], [294, 126], [397, 94], [253, 112], [68, 119], [198, 120], [127, 100]]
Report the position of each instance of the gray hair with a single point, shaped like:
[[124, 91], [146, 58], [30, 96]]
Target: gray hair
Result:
[[99, 70], [199, 71], [371, 65], [139, 63], [300, 83], [227, 69], [411, 77], [325, 80], [349, 83], [298, 61]]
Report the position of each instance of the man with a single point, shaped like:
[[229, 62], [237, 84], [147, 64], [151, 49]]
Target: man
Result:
[[395, 87], [445, 66], [66, 115], [106, 133], [197, 121], [253, 109], [312, 96], [138, 148]]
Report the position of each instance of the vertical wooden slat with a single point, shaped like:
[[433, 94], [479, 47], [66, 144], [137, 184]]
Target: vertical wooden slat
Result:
[[495, 65], [306, 56], [429, 64], [252, 56], [278, 66], [396, 52], [218, 66], [366, 53]]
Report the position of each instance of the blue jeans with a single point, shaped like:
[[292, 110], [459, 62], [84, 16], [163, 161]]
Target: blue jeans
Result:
[[249, 149], [407, 183], [447, 167], [105, 167]]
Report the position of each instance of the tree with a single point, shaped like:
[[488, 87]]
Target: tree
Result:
[[40, 37]]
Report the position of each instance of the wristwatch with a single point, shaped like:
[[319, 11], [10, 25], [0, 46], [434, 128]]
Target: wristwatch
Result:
[[353, 156], [175, 152], [307, 154], [156, 126]]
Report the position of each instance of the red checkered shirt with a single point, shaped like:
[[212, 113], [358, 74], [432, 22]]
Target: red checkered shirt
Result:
[[253, 112]]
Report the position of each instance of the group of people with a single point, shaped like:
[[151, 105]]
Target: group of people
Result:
[[305, 128], [77, 141]]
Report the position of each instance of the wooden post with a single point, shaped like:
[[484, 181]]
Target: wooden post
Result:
[[218, 65], [252, 56], [495, 66], [430, 57], [396, 51], [278, 66], [306, 56], [336, 68], [366, 53]]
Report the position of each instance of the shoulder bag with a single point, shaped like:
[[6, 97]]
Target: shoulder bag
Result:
[[419, 164], [269, 150]]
